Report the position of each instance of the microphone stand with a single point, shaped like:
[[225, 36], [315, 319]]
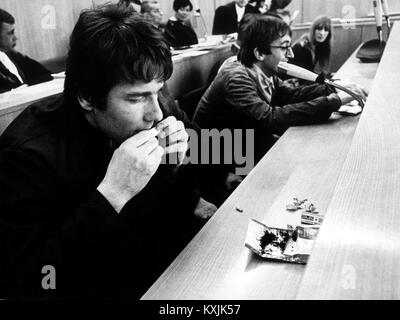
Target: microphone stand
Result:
[[351, 93], [385, 8], [301, 73], [198, 14]]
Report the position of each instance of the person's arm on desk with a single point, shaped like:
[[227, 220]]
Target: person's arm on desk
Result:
[[289, 107]]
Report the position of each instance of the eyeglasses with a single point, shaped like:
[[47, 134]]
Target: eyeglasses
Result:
[[285, 48]]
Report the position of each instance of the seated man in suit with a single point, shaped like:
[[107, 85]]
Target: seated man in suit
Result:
[[151, 10], [247, 94], [16, 69], [83, 191], [228, 17], [132, 4]]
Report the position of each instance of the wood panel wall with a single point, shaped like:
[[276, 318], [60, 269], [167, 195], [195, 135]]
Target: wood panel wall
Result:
[[44, 26], [344, 9]]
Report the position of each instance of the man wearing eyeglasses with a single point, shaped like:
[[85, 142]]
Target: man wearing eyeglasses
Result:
[[247, 94]]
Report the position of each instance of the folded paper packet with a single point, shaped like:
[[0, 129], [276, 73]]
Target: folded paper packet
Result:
[[294, 244], [352, 108]]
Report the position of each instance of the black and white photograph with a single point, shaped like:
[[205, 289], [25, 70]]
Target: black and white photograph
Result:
[[217, 152]]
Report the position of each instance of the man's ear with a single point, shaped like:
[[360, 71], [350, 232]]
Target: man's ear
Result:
[[85, 104], [259, 56]]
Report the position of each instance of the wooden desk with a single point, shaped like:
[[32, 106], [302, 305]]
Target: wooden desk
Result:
[[12, 103], [191, 71], [305, 163], [357, 254]]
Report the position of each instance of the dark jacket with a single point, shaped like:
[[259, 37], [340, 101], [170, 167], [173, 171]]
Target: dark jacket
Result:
[[31, 71], [303, 55], [225, 19], [180, 35], [233, 101], [51, 161]]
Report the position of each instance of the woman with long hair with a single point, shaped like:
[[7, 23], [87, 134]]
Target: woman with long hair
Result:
[[313, 50]]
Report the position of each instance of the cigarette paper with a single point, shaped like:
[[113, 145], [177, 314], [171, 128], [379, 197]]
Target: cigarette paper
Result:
[[154, 132]]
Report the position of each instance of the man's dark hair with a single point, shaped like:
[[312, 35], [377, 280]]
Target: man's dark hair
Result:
[[111, 45], [182, 4], [260, 33], [247, 20], [279, 4], [5, 17]]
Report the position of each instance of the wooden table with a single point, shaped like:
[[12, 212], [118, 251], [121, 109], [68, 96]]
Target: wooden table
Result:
[[306, 162], [12, 103], [191, 71], [357, 255]]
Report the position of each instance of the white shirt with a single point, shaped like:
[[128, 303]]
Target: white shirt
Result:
[[6, 61], [240, 12]]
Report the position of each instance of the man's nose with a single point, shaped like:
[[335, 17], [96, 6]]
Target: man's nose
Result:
[[153, 110], [290, 53]]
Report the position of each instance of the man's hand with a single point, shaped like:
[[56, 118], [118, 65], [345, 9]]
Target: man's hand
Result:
[[357, 89], [176, 135], [204, 209], [232, 181], [130, 169]]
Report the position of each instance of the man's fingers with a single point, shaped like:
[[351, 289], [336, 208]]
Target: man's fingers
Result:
[[140, 138], [177, 137], [158, 152], [174, 127], [149, 146], [177, 147], [169, 127], [162, 125]]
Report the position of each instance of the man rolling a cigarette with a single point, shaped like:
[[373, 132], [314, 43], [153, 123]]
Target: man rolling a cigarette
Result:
[[86, 208]]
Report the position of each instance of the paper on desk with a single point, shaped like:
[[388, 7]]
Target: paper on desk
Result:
[[290, 245], [353, 108]]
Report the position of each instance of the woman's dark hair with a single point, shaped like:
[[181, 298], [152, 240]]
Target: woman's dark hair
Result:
[[322, 50], [182, 4], [111, 45], [260, 33]]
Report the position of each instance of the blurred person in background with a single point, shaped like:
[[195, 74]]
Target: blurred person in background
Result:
[[178, 31], [136, 5], [152, 12], [228, 17], [16, 69]]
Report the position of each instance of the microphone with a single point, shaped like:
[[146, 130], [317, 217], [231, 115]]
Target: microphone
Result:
[[304, 74], [378, 19], [385, 8], [196, 8], [294, 71], [372, 50], [197, 13]]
